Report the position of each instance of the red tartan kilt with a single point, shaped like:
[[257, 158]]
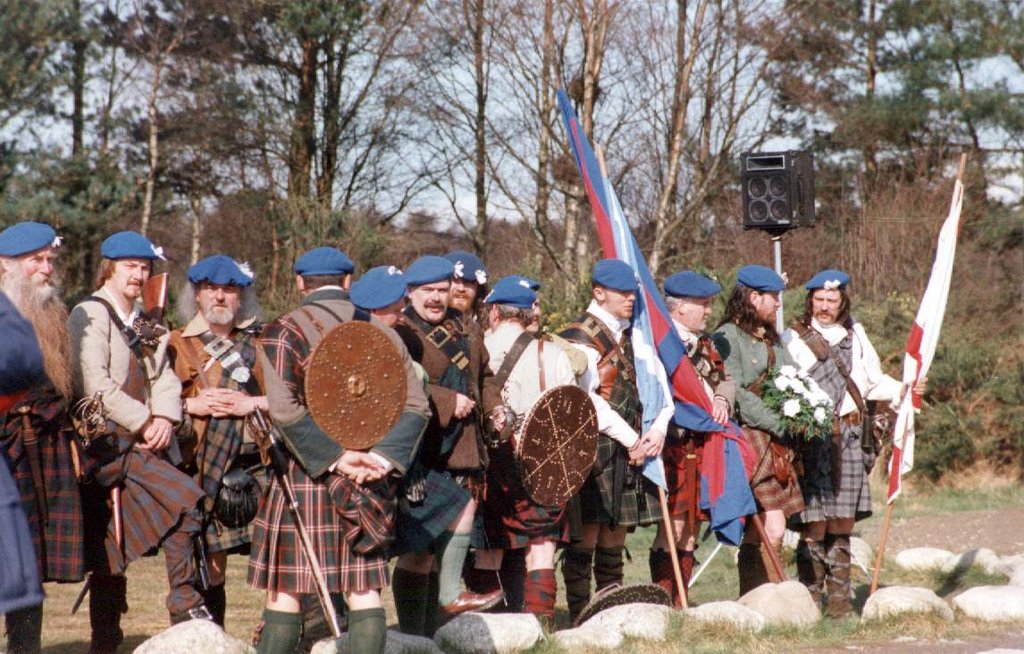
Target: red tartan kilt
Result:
[[511, 519], [769, 493], [683, 488]]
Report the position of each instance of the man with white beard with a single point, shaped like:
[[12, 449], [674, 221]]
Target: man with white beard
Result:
[[215, 357], [35, 433]]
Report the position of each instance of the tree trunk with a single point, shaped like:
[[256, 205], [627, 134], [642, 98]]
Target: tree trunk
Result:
[[79, 47], [154, 146], [479, 128], [302, 146]]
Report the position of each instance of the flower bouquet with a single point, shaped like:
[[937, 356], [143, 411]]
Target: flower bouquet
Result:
[[805, 408]]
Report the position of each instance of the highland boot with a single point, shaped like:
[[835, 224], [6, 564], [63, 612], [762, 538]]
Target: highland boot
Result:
[[837, 577], [608, 567], [411, 592], [751, 567], [810, 568], [108, 600], [660, 563], [216, 602], [25, 630], [577, 565], [513, 580]]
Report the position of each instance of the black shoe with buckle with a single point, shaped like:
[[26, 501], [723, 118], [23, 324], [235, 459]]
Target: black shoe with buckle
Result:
[[195, 613]]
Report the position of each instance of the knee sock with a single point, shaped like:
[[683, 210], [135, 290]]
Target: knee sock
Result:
[[279, 633], [433, 620], [411, 592], [367, 632], [451, 550], [513, 576], [686, 562], [608, 567], [810, 567], [660, 563], [577, 564], [108, 599], [24, 630], [539, 594]]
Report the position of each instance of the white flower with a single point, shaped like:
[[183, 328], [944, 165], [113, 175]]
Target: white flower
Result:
[[781, 383], [819, 415], [788, 371], [820, 398], [798, 387], [790, 408]]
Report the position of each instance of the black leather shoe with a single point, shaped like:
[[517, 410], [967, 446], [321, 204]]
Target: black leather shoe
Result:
[[467, 601]]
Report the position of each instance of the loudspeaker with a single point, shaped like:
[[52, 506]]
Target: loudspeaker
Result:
[[778, 190]]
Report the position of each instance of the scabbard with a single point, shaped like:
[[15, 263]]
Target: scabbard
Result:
[[619, 464], [30, 440]]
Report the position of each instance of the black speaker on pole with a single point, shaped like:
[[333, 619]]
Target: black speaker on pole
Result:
[[778, 190]]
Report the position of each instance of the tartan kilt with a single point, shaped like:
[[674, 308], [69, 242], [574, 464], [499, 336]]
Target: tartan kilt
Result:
[[344, 522], [769, 493], [853, 499], [598, 493], [684, 484], [512, 520], [154, 497], [419, 523], [59, 544]]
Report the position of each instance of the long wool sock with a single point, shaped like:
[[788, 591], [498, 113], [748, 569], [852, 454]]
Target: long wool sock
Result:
[[279, 633], [451, 550], [660, 563], [577, 564], [24, 630], [539, 593], [411, 591], [216, 602], [367, 632], [608, 566], [513, 576]]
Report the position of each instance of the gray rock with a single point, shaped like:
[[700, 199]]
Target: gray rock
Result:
[[587, 637], [733, 614], [983, 558], [397, 643], [644, 621], [992, 603], [899, 600], [490, 633], [1013, 567], [785, 604], [923, 558], [194, 636]]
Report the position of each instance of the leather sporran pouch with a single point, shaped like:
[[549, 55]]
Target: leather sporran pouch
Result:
[[781, 467]]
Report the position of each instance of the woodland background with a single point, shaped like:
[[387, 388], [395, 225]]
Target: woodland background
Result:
[[395, 128]]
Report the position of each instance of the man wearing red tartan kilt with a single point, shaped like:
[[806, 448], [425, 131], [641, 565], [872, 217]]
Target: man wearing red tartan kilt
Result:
[[614, 498], [347, 497], [688, 297], [754, 350], [214, 355], [437, 510], [135, 500], [36, 433], [512, 519]]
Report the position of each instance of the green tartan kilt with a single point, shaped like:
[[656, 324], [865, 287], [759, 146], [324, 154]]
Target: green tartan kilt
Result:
[[597, 497], [277, 561]]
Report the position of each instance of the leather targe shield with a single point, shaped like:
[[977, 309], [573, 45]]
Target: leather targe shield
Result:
[[556, 445], [355, 384], [616, 595]]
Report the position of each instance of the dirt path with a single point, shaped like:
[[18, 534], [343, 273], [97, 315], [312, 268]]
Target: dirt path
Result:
[[1001, 531]]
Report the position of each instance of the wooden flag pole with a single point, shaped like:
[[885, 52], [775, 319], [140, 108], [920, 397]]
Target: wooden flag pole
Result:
[[773, 556], [670, 536]]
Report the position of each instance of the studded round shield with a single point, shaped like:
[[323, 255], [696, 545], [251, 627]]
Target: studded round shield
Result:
[[616, 595], [355, 384], [557, 444]]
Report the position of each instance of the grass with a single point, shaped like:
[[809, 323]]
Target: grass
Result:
[[67, 634]]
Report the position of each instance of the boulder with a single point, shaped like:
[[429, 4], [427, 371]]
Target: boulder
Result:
[[983, 558], [785, 604], [898, 600], [644, 621], [588, 637], [397, 643], [992, 603], [733, 614], [862, 552], [490, 633], [924, 558], [194, 636], [1013, 567]]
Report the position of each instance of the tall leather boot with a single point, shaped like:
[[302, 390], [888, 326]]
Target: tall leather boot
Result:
[[108, 599], [608, 566], [752, 571], [810, 567], [837, 577], [412, 599], [660, 563], [216, 602], [577, 564], [25, 630]]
